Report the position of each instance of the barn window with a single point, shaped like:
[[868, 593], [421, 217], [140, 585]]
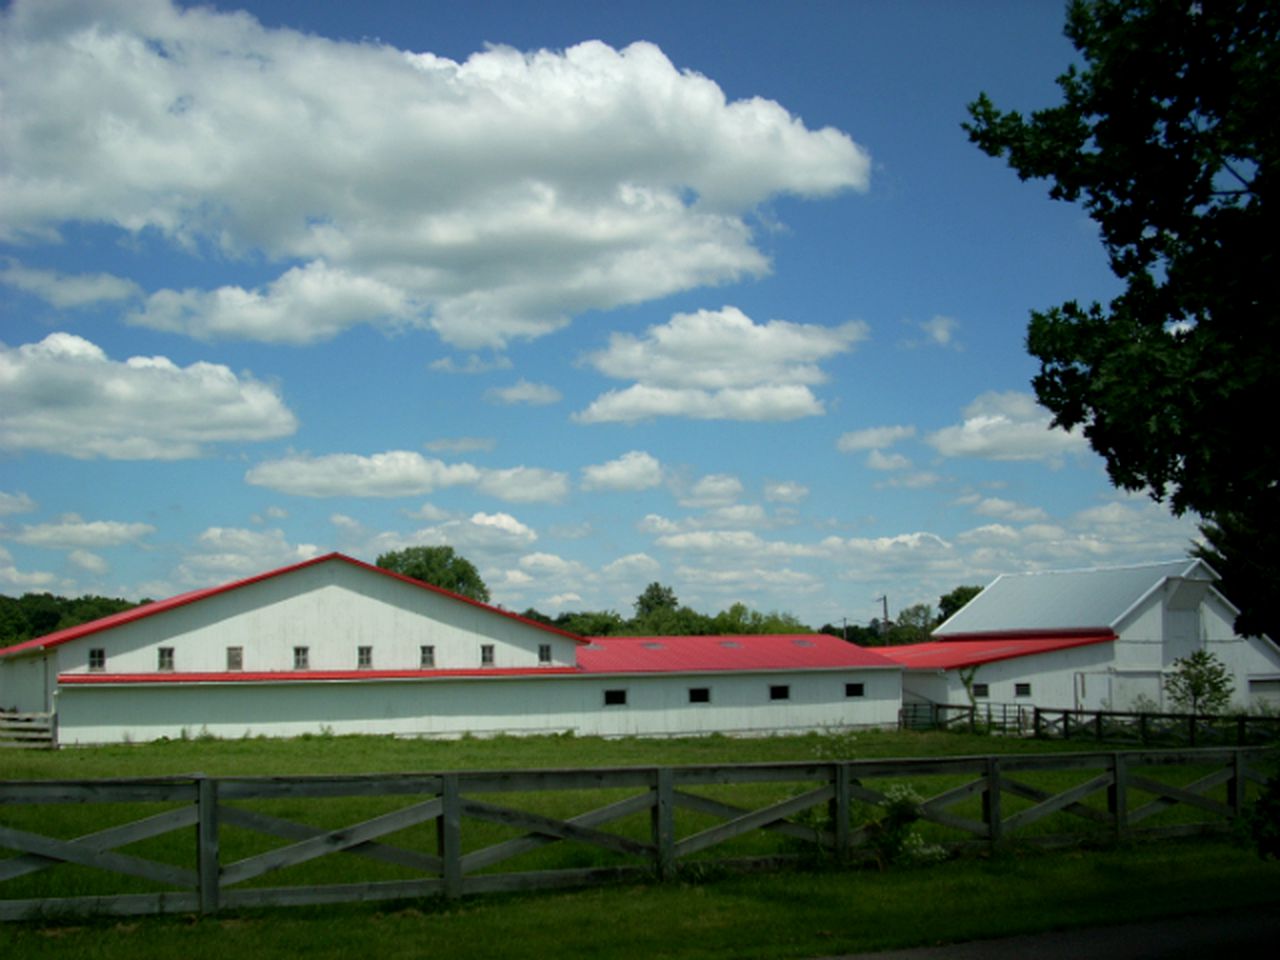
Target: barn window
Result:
[[981, 690], [97, 658], [426, 656], [780, 691], [364, 657], [544, 653], [486, 654], [699, 694], [165, 659], [615, 698], [235, 658], [1022, 689], [854, 690], [301, 658]]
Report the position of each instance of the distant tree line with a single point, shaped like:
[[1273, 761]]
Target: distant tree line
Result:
[[36, 614], [914, 624], [659, 613]]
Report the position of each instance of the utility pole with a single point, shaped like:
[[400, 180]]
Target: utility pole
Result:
[[884, 621]]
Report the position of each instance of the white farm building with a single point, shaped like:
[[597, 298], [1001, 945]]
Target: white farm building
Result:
[[1097, 639], [336, 644]]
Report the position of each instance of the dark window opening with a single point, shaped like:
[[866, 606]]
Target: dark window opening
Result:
[[615, 698], [699, 694], [981, 690], [486, 654], [426, 657], [780, 691], [364, 658], [235, 658], [544, 653], [301, 658], [165, 659], [97, 659], [854, 690], [1022, 689]]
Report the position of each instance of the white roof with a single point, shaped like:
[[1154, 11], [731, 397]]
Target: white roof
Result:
[[1066, 599]]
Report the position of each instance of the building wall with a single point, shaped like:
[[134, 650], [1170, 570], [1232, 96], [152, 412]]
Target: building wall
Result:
[[331, 609], [656, 705], [1053, 678]]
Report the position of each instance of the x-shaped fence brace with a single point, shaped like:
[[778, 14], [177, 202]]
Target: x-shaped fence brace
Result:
[[210, 804]]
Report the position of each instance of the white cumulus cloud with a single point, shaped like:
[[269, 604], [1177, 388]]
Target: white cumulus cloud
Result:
[[64, 395], [718, 365], [634, 470], [1006, 426], [488, 198]]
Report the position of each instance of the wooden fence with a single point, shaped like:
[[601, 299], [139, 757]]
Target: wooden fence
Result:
[[1156, 728], [30, 730], [207, 842]]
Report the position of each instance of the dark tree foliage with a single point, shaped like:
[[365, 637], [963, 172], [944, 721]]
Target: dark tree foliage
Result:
[[439, 566], [655, 597], [37, 614], [1246, 572], [950, 603], [1168, 136]]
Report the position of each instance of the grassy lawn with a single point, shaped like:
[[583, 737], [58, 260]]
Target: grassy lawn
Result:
[[707, 914]]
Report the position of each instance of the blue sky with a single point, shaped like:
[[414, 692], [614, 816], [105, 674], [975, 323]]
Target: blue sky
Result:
[[600, 294]]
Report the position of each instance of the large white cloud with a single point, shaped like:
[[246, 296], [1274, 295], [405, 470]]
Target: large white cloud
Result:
[[634, 470], [64, 395], [1006, 426], [71, 531], [718, 365], [401, 473], [491, 198]]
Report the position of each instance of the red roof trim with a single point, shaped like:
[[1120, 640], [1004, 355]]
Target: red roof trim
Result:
[[181, 600], [741, 654], [303, 676], [988, 648]]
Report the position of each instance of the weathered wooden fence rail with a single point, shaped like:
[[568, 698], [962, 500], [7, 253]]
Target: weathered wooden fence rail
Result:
[[1193, 730], [30, 730], [203, 844]]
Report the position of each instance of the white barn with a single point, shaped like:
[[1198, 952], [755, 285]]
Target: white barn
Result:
[[334, 644], [1097, 639]]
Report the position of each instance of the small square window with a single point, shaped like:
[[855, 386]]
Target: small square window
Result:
[[235, 658], [981, 690], [1022, 689], [364, 658], [165, 659], [699, 694], [544, 653], [486, 654], [301, 658], [854, 690], [615, 698], [427, 656], [97, 659], [780, 691]]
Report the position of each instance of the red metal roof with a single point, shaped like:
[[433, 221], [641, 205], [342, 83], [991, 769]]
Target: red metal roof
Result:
[[195, 596], [972, 649], [294, 676], [816, 651]]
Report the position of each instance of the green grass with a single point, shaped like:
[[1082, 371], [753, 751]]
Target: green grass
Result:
[[784, 914], [346, 755], [801, 914]]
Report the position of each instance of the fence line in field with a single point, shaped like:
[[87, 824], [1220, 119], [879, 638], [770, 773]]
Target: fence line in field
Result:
[[1119, 792]]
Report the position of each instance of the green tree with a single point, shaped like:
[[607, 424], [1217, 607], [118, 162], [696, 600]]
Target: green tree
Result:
[[655, 597], [1168, 136], [951, 602], [439, 566], [914, 625], [1199, 684]]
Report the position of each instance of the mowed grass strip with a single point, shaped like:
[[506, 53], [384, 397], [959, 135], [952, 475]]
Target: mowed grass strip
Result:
[[782, 915]]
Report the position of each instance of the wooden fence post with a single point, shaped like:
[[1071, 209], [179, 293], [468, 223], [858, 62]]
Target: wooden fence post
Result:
[[449, 836], [663, 820], [1236, 785], [208, 868], [991, 803], [839, 809], [1118, 796]]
